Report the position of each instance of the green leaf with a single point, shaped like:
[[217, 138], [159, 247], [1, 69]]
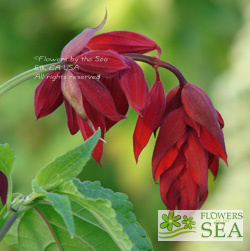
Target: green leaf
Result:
[[41, 228], [6, 159], [34, 231], [68, 188], [60, 203], [103, 222], [102, 210], [123, 209], [67, 166]]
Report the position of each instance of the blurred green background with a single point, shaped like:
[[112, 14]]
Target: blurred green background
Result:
[[207, 40]]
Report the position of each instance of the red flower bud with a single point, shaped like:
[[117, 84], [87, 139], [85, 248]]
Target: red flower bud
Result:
[[150, 119], [3, 188]]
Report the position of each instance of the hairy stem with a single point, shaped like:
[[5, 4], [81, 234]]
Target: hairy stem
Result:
[[54, 67], [7, 226], [9, 195], [156, 62]]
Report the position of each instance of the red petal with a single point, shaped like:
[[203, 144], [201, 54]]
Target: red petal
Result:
[[94, 116], [214, 164], [200, 108], [71, 117], [197, 163], [181, 141], [84, 50], [100, 62], [173, 128], [120, 100], [173, 195], [173, 93], [134, 86], [80, 41], [192, 123], [3, 187], [173, 100], [88, 132], [99, 97], [48, 95], [189, 194], [170, 176], [211, 144], [150, 119], [123, 42], [165, 163]]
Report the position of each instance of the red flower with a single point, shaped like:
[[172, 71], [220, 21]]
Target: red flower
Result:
[[97, 91], [3, 187], [190, 142]]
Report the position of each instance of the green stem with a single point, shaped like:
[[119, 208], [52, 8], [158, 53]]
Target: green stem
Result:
[[19, 206], [7, 226], [54, 67], [156, 62], [9, 195]]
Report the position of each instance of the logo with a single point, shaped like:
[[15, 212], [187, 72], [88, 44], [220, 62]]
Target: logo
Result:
[[200, 225]]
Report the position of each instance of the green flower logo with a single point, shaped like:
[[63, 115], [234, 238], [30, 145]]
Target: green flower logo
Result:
[[188, 222], [170, 220]]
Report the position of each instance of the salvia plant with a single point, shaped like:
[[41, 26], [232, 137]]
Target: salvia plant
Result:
[[96, 80]]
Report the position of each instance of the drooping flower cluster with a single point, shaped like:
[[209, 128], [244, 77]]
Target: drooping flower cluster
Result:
[[190, 142], [97, 90]]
